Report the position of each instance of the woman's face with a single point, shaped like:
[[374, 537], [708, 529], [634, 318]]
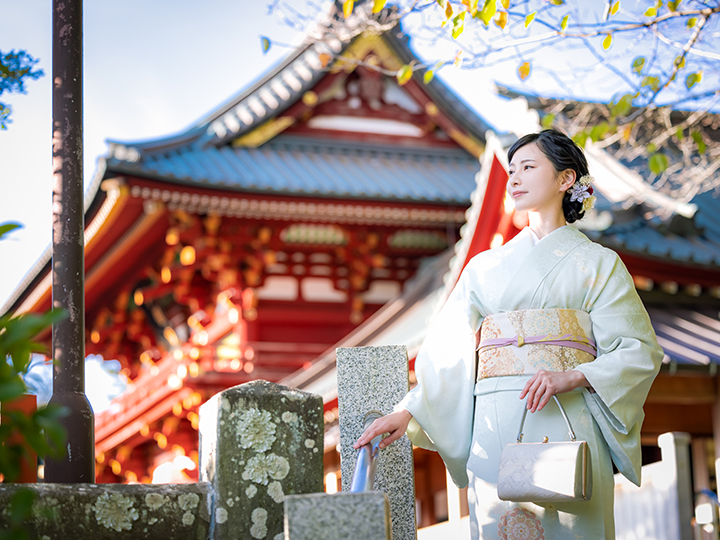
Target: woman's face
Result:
[[534, 184]]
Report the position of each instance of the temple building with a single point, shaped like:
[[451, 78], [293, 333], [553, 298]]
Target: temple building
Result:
[[323, 207]]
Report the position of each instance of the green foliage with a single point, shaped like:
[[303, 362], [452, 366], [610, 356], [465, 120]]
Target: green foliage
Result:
[[638, 64], [488, 11], [16, 68], [19, 510], [41, 430], [404, 74], [458, 24], [698, 138], [265, 43], [622, 106], [658, 163], [547, 121]]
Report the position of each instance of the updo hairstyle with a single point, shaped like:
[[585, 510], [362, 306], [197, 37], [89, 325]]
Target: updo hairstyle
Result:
[[564, 154]]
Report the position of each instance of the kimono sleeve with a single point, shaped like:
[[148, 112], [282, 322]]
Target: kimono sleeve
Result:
[[628, 360], [442, 403]]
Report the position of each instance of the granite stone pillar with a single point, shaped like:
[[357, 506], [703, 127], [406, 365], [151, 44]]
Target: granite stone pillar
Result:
[[376, 379], [319, 516], [258, 443]]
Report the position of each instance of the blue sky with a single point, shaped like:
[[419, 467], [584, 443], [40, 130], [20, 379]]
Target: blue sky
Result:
[[155, 68]]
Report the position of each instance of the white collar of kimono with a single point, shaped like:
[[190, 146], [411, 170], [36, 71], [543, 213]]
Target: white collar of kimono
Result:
[[536, 238]]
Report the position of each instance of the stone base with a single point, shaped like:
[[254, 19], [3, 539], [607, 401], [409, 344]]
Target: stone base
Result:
[[337, 517], [107, 511]]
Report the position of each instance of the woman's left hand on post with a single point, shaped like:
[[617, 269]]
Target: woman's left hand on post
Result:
[[394, 423]]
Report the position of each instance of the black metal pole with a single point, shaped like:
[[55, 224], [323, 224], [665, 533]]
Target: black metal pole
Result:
[[68, 262]]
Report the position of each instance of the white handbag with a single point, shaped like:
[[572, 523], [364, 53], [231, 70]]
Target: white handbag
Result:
[[545, 471]]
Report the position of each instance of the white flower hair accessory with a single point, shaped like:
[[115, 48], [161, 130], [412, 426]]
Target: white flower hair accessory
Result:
[[582, 192]]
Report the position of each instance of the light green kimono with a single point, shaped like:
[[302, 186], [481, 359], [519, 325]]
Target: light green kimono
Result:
[[468, 423]]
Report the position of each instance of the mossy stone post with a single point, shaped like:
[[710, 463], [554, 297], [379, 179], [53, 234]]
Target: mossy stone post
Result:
[[259, 441], [376, 379]]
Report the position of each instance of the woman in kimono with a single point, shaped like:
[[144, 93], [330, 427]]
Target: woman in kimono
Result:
[[525, 298]]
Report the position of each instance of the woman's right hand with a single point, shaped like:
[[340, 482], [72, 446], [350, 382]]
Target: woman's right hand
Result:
[[394, 423]]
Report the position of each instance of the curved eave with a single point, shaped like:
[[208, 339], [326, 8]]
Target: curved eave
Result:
[[230, 188]]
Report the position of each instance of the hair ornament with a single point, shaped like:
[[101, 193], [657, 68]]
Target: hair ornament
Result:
[[582, 192]]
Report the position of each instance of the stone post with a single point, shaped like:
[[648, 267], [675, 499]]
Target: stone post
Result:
[[376, 378], [342, 515], [674, 448], [259, 442]]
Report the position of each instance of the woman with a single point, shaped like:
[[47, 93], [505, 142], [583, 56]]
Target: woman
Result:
[[549, 280]]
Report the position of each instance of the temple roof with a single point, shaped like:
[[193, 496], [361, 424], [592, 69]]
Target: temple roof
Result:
[[243, 145], [317, 167]]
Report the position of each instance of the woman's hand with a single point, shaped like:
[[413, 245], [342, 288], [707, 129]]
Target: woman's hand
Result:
[[394, 423], [545, 384]]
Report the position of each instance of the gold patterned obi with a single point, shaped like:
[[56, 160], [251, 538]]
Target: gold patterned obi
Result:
[[526, 341]]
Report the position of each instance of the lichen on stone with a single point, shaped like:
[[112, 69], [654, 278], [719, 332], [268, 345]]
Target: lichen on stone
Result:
[[275, 491], [221, 515], [309, 443], [152, 521], [114, 511], [251, 491], [260, 466], [230, 503], [188, 518], [188, 501], [155, 500], [289, 417], [259, 519], [255, 429]]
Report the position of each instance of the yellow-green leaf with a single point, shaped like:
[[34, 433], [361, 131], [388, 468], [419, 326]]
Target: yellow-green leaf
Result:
[[580, 138], [679, 134], [672, 6], [488, 11], [428, 76], [615, 7], [607, 42], [348, 7], [458, 24], [564, 23], [692, 79], [698, 138], [7, 227], [652, 82], [505, 4], [529, 19], [692, 21], [557, 2], [472, 6], [501, 19], [598, 131], [378, 5], [265, 42], [651, 12], [622, 107], [524, 70], [638, 64], [547, 121], [679, 62], [404, 74], [658, 163]]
